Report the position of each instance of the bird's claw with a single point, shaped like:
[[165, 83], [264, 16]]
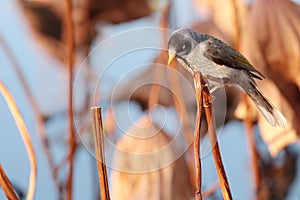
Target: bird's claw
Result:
[[213, 89]]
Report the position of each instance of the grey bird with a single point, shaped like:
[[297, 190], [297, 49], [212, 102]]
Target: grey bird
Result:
[[221, 65]]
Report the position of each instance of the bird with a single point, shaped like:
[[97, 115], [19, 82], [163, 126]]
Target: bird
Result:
[[220, 64]]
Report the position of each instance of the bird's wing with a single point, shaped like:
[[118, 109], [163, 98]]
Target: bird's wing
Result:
[[215, 51]]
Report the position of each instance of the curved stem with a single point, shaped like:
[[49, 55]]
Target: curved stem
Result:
[[25, 136]]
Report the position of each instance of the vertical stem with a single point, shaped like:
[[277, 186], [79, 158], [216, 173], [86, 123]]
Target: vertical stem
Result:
[[237, 23], [72, 143], [6, 185], [180, 106], [254, 154], [100, 153], [158, 75], [155, 88], [207, 103], [247, 121], [178, 99], [198, 91], [254, 161], [25, 136]]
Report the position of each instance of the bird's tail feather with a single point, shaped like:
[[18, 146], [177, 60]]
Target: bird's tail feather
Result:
[[272, 115]]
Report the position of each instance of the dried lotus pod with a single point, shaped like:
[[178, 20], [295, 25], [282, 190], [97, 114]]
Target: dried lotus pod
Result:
[[146, 166]]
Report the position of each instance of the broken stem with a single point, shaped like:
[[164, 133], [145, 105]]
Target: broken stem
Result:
[[7, 186], [100, 154]]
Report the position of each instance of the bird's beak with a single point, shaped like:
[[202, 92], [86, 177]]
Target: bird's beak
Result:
[[171, 58]]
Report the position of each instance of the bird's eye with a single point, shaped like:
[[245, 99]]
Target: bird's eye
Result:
[[183, 46]]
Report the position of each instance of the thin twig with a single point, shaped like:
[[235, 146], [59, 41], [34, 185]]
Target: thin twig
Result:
[[72, 142], [179, 102], [7, 186], [197, 159], [247, 120], [180, 106], [100, 154], [207, 103], [38, 117], [155, 88], [178, 98], [237, 23], [25, 136], [250, 135], [158, 75]]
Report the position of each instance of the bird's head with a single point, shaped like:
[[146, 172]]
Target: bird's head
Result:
[[180, 44]]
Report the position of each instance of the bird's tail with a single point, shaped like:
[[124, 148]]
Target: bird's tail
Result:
[[272, 115]]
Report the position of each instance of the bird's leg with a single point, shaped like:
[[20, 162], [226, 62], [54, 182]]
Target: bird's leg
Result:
[[214, 88]]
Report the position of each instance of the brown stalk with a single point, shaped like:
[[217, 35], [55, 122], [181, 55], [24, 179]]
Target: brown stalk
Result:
[[100, 154], [155, 88], [179, 102], [25, 136], [38, 118], [247, 120], [207, 103], [7, 186], [72, 142], [158, 75], [236, 23], [250, 135], [197, 159], [180, 106]]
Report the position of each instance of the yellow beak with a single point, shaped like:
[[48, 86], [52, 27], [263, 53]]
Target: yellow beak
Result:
[[171, 58]]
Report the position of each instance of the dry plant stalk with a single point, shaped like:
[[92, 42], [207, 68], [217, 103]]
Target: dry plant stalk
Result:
[[179, 103], [72, 142], [180, 106], [197, 159], [250, 135], [25, 136], [237, 23], [207, 103], [38, 118], [155, 88], [247, 120], [7, 186], [99, 149]]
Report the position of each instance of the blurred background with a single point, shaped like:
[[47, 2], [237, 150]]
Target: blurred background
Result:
[[119, 63]]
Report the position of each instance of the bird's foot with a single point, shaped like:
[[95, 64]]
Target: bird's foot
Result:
[[213, 89]]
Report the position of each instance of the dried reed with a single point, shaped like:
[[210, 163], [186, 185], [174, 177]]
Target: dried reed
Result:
[[99, 149], [25, 136]]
